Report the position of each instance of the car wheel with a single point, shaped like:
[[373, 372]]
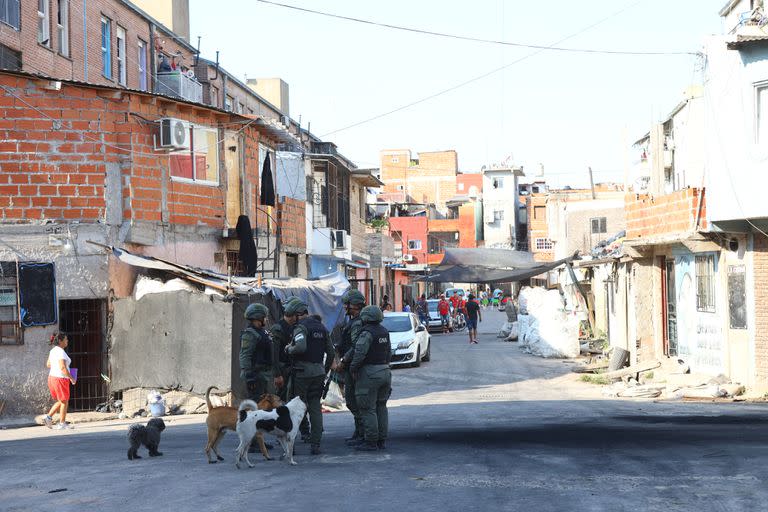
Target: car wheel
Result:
[[428, 354], [417, 362]]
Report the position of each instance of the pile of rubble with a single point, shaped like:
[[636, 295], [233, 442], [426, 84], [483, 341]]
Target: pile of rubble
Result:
[[670, 380]]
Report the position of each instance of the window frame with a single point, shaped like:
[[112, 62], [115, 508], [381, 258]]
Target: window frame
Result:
[[44, 23], [602, 225], [543, 244], [62, 27], [417, 246], [120, 55], [498, 215], [9, 281], [497, 182], [5, 17], [106, 51], [758, 87], [705, 271], [192, 152], [540, 209], [141, 63], [228, 102]]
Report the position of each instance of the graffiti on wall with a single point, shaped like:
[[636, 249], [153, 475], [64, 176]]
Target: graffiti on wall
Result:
[[700, 334]]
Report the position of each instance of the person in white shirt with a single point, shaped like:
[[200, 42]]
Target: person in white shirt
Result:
[[59, 379]]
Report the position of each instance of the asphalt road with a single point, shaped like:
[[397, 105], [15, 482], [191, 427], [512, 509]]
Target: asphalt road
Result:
[[482, 427]]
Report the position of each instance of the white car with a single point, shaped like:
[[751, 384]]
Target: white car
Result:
[[410, 340]]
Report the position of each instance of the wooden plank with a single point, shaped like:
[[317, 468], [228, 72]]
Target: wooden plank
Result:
[[630, 370]]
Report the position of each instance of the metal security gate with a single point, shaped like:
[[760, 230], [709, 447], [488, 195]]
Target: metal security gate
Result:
[[84, 322]]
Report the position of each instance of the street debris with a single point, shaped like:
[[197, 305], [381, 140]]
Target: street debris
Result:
[[545, 328]]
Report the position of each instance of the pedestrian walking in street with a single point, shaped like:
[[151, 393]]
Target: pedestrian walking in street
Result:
[[282, 333], [59, 379], [422, 310], [373, 378], [354, 302], [473, 314], [444, 310], [313, 355]]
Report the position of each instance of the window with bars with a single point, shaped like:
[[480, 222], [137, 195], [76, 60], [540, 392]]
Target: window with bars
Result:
[[234, 265], [598, 225], [705, 283], [10, 332], [544, 244]]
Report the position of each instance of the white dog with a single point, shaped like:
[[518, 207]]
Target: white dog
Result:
[[282, 422]]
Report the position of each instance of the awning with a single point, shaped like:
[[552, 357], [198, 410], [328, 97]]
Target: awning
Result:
[[488, 266], [357, 264], [322, 295]]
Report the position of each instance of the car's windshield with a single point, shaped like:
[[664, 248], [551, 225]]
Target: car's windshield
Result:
[[432, 305], [397, 323]]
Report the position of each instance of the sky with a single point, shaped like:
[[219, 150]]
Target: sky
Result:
[[561, 111]]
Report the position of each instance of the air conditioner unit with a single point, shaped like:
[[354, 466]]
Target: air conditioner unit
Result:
[[407, 257], [339, 239], [174, 133]]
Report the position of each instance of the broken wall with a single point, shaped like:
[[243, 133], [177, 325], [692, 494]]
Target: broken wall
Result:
[[172, 339]]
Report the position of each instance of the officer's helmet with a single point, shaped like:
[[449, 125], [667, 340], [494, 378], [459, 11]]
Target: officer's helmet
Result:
[[295, 307], [354, 298], [371, 315], [256, 312]]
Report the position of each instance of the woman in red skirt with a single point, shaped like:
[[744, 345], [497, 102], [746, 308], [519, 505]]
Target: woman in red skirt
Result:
[[59, 379]]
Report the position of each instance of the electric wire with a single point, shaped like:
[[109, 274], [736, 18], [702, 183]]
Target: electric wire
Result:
[[469, 38], [479, 77]]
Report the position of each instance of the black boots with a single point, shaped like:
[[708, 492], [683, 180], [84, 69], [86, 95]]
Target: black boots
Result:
[[380, 444], [367, 446], [315, 450]]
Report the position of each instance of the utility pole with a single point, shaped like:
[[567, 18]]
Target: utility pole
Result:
[[591, 183]]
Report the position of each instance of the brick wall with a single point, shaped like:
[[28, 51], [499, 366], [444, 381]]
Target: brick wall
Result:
[[47, 60], [292, 224], [432, 180], [761, 313], [466, 181], [57, 168], [664, 215]]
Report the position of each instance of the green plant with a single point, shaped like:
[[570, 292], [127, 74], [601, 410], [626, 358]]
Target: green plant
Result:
[[649, 376], [594, 379], [378, 224]]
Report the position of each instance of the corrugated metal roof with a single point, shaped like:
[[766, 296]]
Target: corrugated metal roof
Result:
[[742, 41]]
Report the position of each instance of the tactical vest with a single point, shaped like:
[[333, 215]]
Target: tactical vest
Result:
[[346, 334], [287, 330], [316, 336], [380, 351], [262, 353]]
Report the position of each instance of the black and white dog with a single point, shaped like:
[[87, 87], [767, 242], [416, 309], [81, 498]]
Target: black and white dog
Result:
[[282, 422]]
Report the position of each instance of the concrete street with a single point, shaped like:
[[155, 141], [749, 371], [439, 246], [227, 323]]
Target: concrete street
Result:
[[483, 427]]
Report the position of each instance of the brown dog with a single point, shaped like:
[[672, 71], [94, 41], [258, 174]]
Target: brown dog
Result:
[[221, 419]]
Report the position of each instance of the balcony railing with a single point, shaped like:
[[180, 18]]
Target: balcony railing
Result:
[[176, 83]]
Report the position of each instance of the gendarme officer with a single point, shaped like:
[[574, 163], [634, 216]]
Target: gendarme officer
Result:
[[256, 361], [373, 378], [312, 353], [282, 333], [354, 302]]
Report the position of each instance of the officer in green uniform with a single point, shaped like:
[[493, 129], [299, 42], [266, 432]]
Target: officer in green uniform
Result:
[[373, 378], [312, 353], [282, 333], [256, 362], [354, 302]]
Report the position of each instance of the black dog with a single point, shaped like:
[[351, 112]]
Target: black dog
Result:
[[149, 436]]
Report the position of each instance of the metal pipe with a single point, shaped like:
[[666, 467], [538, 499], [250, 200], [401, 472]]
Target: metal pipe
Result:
[[85, 42], [152, 58]]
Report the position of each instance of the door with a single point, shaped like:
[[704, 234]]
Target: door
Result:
[[670, 307], [84, 323]]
